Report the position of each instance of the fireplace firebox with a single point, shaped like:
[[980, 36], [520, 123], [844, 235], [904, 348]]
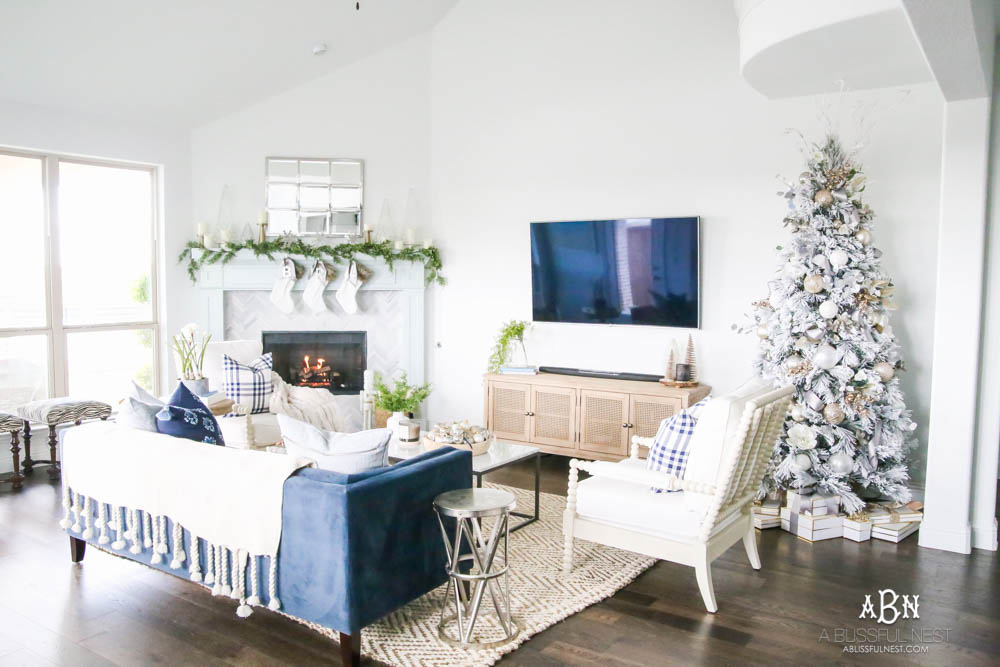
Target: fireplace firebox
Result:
[[334, 360]]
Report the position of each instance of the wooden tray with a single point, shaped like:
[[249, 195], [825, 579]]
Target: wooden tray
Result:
[[678, 383], [476, 449]]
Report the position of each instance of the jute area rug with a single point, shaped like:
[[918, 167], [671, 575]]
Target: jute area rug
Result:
[[541, 595]]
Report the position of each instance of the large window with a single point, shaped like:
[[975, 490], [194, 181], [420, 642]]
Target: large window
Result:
[[77, 278]]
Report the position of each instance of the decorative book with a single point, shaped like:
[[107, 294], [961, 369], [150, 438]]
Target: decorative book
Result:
[[895, 532]]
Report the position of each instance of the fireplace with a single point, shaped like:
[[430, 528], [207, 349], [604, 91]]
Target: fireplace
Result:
[[334, 360]]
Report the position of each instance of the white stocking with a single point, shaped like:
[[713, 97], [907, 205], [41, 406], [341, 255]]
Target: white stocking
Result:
[[347, 295], [313, 294], [281, 293]]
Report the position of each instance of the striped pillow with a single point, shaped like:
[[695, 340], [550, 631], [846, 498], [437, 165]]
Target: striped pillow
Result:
[[669, 452], [248, 385]]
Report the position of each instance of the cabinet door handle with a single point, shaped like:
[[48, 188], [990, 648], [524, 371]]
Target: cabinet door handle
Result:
[[625, 425], [529, 413]]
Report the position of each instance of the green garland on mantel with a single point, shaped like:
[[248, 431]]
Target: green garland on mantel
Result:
[[335, 254]]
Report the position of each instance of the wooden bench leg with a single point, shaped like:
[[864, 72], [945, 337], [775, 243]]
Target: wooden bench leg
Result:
[[53, 460], [15, 452], [350, 649], [77, 548], [28, 463]]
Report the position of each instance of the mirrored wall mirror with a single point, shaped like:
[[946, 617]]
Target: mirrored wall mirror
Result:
[[314, 196]]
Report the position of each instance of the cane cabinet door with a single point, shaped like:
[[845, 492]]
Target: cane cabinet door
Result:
[[510, 408], [647, 412], [553, 416], [604, 422]]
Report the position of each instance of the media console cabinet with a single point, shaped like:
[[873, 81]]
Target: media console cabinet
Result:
[[584, 417]]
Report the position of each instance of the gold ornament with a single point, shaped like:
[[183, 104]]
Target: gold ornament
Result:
[[833, 413], [884, 370], [823, 197], [813, 283], [865, 299], [864, 237]]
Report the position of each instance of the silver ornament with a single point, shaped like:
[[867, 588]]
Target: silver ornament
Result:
[[813, 401], [841, 463], [823, 197], [803, 462]]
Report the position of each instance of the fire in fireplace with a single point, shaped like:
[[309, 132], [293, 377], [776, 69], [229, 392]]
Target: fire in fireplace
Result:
[[333, 360]]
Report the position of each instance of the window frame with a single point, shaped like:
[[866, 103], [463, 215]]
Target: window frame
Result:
[[55, 331]]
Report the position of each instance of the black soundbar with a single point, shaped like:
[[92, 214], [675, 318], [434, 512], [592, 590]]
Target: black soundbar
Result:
[[608, 375]]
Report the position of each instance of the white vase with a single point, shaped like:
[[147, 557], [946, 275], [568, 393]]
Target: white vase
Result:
[[393, 421], [197, 387]]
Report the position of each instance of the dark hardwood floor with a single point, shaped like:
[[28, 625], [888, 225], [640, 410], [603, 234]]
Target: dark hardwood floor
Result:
[[113, 611]]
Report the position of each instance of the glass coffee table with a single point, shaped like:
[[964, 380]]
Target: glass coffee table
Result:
[[499, 455]]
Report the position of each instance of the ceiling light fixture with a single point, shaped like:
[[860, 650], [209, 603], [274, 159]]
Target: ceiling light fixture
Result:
[[319, 49]]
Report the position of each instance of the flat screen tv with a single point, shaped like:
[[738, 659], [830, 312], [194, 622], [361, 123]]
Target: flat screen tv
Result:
[[627, 271]]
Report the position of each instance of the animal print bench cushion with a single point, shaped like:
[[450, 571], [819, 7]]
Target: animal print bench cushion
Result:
[[54, 411], [10, 423]]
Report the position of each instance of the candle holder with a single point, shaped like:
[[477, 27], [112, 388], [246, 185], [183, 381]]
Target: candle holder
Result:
[[682, 377], [261, 232]]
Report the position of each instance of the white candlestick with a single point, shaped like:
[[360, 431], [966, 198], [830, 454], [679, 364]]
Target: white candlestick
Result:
[[207, 242]]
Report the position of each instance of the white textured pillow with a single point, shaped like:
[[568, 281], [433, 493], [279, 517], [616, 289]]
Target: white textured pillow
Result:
[[340, 452], [139, 409], [714, 439]]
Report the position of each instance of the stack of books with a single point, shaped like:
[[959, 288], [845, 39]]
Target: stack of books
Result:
[[518, 370], [894, 532], [767, 514]]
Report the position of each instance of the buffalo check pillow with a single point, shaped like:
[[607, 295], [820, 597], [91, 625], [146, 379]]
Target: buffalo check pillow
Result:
[[248, 385], [669, 452]]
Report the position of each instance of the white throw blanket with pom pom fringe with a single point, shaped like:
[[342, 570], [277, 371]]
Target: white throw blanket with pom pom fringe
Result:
[[129, 482]]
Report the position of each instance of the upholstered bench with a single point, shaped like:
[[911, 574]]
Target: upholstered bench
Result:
[[11, 424], [52, 412]]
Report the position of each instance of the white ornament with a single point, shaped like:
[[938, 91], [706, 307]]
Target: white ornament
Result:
[[814, 333], [803, 462], [821, 261], [839, 259], [829, 309], [826, 357], [884, 370], [802, 343], [762, 331], [795, 270], [798, 414], [841, 463], [814, 284], [864, 237], [801, 436]]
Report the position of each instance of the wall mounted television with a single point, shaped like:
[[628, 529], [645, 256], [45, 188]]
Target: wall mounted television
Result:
[[628, 271]]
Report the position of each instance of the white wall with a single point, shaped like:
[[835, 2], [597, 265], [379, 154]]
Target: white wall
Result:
[[375, 109], [44, 129], [569, 109], [580, 110]]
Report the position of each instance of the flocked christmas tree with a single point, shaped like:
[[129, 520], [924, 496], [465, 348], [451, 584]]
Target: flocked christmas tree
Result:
[[824, 328]]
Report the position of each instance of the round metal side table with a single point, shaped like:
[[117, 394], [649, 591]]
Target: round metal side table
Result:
[[475, 573]]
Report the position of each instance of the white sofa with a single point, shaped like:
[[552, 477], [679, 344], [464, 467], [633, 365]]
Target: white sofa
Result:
[[261, 430]]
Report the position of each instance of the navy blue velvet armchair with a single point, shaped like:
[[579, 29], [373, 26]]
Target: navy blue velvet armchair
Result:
[[354, 547]]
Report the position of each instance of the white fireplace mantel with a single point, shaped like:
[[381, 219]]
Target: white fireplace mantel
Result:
[[246, 272]]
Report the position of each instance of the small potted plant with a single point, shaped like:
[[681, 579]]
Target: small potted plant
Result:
[[189, 347], [510, 343], [401, 400]]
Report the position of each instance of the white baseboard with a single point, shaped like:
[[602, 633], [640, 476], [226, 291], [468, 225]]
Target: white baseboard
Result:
[[985, 536], [946, 537]]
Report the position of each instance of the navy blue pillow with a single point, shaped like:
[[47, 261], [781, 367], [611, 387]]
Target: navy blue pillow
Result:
[[185, 416]]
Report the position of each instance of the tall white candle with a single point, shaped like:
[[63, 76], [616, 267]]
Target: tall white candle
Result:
[[201, 228], [411, 235], [262, 218], [429, 243], [398, 245], [224, 235]]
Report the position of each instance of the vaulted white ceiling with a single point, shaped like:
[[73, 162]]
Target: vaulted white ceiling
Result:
[[184, 62]]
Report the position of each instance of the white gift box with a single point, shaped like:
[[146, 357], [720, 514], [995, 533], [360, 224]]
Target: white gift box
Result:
[[770, 507], [859, 531], [895, 532], [798, 502], [812, 527], [763, 521]]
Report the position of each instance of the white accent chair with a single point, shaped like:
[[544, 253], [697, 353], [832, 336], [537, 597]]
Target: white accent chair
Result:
[[708, 511], [261, 430]]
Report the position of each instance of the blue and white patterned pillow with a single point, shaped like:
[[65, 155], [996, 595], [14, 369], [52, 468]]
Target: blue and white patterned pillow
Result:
[[185, 416], [248, 385], [669, 452]]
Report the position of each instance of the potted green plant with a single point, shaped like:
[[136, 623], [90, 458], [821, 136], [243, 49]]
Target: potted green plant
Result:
[[189, 346], [509, 339], [401, 400]]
